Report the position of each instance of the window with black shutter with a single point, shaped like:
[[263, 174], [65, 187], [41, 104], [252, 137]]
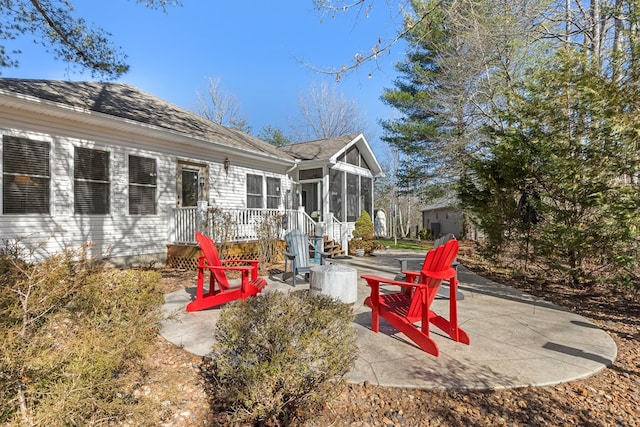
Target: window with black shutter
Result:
[[92, 187], [25, 176], [142, 185]]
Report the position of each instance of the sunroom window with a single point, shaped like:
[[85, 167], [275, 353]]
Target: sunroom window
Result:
[[92, 186], [25, 176], [353, 192]]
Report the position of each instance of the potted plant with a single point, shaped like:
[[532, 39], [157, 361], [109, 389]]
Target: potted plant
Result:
[[358, 246]]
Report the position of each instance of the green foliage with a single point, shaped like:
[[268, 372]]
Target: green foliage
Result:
[[571, 141], [73, 336], [363, 234], [363, 227], [406, 244], [68, 37], [274, 136], [279, 357], [426, 234], [414, 98]]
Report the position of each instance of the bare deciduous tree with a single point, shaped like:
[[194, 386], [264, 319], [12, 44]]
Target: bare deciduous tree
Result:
[[221, 107], [362, 10], [324, 112]]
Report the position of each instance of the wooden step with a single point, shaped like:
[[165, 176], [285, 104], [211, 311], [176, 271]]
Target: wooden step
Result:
[[333, 248]]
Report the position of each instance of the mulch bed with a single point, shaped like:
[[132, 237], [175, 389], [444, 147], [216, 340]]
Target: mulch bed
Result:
[[609, 398]]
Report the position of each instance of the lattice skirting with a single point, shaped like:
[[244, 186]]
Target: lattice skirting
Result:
[[185, 257]]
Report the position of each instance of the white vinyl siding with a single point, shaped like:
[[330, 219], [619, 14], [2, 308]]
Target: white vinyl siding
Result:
[[116, 234]]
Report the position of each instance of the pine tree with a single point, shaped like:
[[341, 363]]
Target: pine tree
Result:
[[571, 140]]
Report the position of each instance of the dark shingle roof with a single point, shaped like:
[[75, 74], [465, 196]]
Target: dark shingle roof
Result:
[[320, 149], [449, 200], [128, 102]]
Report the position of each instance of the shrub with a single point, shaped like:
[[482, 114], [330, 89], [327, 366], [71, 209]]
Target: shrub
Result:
[[278, 358], [363, 234], [73, 335], [268, 238], [426, 234], [363, 227]]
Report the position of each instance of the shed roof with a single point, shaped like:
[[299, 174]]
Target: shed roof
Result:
[[128, 102], [449, 200]]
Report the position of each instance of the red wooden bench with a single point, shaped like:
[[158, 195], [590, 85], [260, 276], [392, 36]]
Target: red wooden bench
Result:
[[219, 290], [412, 304]]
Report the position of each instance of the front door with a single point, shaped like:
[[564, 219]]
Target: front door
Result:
[[312, 199], [192, 183]]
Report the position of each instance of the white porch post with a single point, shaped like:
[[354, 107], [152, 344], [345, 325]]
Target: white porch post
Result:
[[202, 216], [171, 225], [329, 225], [300, 225], [344, 239]]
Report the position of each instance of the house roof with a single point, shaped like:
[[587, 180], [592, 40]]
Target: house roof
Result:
[[320, 149], [329, 149], [449, 200], [130, 103]]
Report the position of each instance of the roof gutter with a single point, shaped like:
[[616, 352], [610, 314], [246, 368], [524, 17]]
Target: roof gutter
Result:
[[295, 165], [58, 110]]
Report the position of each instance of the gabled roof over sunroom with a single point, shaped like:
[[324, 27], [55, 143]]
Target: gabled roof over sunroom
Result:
[[332, 150]]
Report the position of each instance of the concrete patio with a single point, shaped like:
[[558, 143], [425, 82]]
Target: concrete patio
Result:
[[517, 339]]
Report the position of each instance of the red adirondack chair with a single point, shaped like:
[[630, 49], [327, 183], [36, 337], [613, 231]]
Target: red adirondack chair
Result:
[[219, 291], [413, 303]]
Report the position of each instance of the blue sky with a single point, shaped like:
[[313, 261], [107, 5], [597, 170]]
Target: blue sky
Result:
[[256, 48]]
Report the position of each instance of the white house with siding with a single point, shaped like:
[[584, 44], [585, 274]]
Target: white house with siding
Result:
[[109, 164]]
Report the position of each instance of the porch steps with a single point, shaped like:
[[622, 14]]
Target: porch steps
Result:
[[333, 248]]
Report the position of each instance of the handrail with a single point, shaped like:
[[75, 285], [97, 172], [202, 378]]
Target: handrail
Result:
[[236, 224]]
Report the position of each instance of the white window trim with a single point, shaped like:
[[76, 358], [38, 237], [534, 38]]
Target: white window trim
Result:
[[264, 194]]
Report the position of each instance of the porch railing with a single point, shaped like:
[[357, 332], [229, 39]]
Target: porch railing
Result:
[[237, 225], [340, 232]]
